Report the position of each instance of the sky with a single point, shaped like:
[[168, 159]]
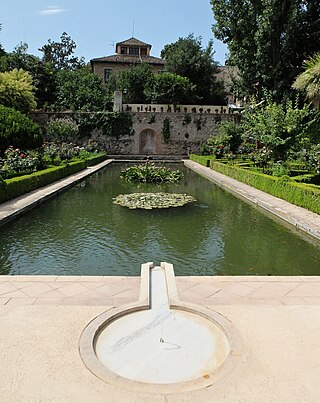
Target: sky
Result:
[[96, 25]]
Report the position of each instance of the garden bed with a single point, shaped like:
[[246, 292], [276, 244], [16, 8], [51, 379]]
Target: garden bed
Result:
[[14, 187], [287, 188]]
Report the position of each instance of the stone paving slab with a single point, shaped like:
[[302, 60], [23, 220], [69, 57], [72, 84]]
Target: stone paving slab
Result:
[[15, 207], [299, 217], [116, 291], [235, 290], [40, 361], [60, 290]]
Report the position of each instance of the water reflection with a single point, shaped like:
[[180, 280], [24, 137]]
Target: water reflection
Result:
[[82, 232]]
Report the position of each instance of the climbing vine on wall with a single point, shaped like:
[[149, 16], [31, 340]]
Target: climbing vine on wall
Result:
[[113, 124], [118, 124], [166, 130]]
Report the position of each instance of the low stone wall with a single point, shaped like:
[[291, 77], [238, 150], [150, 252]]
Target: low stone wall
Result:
[[152, 132], [161, 108]]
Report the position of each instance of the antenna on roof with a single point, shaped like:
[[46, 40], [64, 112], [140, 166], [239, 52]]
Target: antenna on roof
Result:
[[112, 42], [133, 29]]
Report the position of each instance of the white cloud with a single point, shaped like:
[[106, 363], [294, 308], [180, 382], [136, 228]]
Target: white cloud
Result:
[[52, 10]]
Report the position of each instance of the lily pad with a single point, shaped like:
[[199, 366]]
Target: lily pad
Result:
[[149, 201]]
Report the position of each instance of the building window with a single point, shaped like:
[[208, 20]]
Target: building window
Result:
[[107, 73], [133, 51], [143, 52], [124, 50]]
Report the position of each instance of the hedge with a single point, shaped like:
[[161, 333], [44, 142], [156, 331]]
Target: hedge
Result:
[[96, 159], [14, 187], [201, 159], [300, 194]]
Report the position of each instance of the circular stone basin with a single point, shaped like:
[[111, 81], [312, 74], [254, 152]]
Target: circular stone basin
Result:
[[159, 344], [166, 347]]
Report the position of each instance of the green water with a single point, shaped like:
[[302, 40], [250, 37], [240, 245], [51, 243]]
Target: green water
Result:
[[82, 233]]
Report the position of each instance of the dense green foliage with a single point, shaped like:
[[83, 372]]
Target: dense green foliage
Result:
[[17, 186], [302, 195], [277, 127], [61, 80], [14, 187], [268, 40], [309, 80], [150, 173], [187, 58], [16, 162], [18, 130], [169, 88], [201, 159], [81, 90], [43, 74], [16, 90], [132, 83], [227, 140], [61, 54], [62, 129], [116, 124]]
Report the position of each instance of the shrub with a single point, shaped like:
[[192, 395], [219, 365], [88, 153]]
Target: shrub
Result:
[[54, 153], [277, 126], [150, 173], [303, 195], [23, 184], [63, 129], [16, 90], [201, 159], [18, 130], [17, 162], [11, 188]]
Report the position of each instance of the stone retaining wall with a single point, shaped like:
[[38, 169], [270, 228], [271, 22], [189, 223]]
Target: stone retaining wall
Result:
[[187, 131]]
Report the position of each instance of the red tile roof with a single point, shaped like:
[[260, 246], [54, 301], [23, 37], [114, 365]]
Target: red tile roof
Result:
[[131, 59], [134, 42]]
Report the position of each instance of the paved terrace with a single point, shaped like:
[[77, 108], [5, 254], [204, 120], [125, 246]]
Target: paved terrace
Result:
[[116, 291], [42, 318]]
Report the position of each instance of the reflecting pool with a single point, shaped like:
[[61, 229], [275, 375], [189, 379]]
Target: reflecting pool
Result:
[[82, 232]]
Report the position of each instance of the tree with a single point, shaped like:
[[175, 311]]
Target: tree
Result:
[[268, 40], [169, 88], [309, 81], [187, 58], [278, 127], [2, 51], [132, 83], [61, 54], [17, 91], [81, 90], [43, 74]]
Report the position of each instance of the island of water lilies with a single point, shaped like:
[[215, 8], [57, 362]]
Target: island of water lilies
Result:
[[149, 201], [150, 173]]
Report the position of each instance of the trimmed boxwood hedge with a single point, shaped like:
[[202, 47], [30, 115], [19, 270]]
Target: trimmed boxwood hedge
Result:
[[300, 194], [95, 159], [14, 187], [201, 159]]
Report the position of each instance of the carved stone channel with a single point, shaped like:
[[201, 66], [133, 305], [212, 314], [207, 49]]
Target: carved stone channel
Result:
[[160, 344]]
